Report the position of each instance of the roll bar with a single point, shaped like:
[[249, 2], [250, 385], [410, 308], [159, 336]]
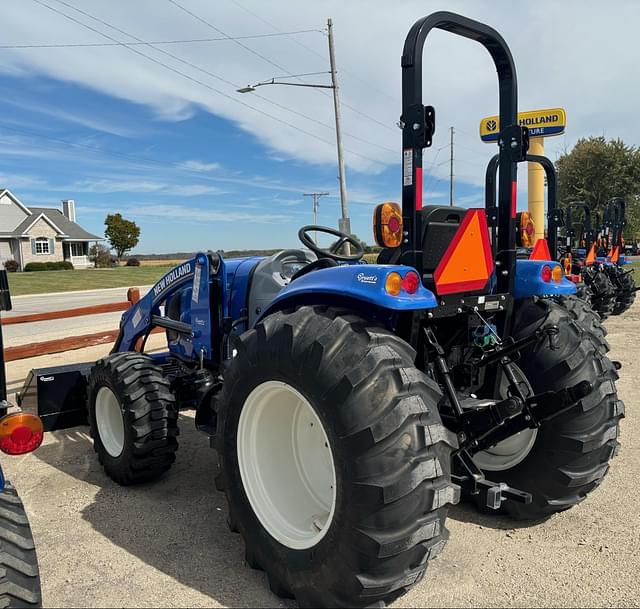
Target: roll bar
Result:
[[615, 218], [418, 127], [587, 226], [554, 214]]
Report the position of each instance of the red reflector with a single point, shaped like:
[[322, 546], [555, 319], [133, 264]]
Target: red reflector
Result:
[[411, 282], [546, 273], [514, 193], [21, 441], [394, 224], [418, 188]]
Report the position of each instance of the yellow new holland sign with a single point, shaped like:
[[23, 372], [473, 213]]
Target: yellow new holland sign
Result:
[[541, 123]]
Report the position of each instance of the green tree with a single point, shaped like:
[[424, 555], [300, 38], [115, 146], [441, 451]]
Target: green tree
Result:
[[595, 171], [123, 234]]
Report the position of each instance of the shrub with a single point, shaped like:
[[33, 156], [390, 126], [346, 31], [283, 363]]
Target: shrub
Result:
[[133, 262], [63, 265], [101, 256], [11, 266]]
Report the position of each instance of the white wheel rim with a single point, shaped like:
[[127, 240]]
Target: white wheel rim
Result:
[[286, 465], [110, 422], [513, 450]]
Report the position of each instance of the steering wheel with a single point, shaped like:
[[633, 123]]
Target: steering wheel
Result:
[[332, 252]]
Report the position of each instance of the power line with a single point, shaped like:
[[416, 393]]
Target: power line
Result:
[[66, 45], [191, 78], [235, 85], [356, 110], [314, 52], [277, 65]]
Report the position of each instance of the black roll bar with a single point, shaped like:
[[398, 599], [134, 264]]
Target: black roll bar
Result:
[[418, 126], [554, 214]]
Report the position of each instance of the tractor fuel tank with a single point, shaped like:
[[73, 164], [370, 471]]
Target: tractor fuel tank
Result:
[[58, 395]]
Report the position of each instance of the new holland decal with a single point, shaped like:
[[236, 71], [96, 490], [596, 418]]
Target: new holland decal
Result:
[[171, 277]]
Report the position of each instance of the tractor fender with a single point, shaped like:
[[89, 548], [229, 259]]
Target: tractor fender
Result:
[[359, 286], [529, 281]]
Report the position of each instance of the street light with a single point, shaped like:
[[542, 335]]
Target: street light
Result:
[[345, 223]]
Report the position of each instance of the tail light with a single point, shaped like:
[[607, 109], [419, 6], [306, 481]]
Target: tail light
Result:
[[557, 274], [393, 284], [546, 273], [411, 282], [20, 433], [526, 230], [387, 225]]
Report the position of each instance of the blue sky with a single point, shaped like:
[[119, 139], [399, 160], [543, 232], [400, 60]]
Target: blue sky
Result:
[[165, 139]]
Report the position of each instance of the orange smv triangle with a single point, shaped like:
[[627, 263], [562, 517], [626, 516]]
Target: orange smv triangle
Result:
[[540, 251], [468, 263], [591, 256], [616, 255]]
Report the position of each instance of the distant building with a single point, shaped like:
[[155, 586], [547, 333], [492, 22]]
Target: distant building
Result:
[[42, 234]]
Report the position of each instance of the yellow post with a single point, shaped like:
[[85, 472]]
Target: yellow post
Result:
[[536, 187]]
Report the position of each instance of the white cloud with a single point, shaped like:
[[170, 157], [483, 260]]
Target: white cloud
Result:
[[184, 213], [558, 59], [200, 166]]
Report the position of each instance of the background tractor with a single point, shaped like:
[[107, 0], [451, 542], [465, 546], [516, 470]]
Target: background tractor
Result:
[[350, 404], [611, 249]]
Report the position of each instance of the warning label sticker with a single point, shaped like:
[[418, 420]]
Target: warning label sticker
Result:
[[407, 167]]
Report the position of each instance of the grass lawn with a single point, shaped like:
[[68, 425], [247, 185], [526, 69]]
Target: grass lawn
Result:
[[42, 282]]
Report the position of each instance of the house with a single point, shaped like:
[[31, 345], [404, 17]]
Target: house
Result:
[[42, 234]]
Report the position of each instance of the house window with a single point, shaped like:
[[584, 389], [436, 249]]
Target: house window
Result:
[[42, 245], [77, 249]]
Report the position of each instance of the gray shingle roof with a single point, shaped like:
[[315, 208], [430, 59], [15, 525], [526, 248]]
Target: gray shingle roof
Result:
[[68, 228]]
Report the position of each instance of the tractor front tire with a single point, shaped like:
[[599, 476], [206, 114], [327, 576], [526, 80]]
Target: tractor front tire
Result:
[[571, 452], [333, 458], [19, 573], [133, 418]]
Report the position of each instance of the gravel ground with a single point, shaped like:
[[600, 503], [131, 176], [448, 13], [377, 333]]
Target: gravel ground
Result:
[[167, 544]]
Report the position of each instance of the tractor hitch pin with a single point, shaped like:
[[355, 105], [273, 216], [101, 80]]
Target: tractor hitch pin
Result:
[[201, 358]]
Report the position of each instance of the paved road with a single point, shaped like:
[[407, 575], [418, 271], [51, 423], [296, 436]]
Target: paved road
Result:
[[42, 303], [20, 334], [167, 544]]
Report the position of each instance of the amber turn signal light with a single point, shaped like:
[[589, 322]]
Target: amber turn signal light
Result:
[[387, 225]]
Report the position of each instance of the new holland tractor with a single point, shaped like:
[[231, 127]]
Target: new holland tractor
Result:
[[579, 257], [350, 404], [611, 251]]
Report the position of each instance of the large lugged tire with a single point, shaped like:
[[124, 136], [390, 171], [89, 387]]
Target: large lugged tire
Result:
[[19, 574], [571, 453], [383, 454], [133, 418], [625, 290], [581, 311], [603, 292]]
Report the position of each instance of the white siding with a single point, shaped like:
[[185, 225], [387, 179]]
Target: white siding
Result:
[[10, 214], [5, 251]]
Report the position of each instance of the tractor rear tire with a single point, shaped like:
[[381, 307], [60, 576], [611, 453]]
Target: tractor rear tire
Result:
[[376, 416], [571, 452], [581, 311], [133, 418], [626, 291], [603, 292], [19, 573]]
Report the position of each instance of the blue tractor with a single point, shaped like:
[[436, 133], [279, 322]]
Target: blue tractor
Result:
[[349, 403]]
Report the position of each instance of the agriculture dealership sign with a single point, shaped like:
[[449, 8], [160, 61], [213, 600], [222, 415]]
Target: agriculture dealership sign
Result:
[[541, 123]]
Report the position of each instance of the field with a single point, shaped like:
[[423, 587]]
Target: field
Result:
[[91, 279]]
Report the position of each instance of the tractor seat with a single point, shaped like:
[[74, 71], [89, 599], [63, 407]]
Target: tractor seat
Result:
[[316, 265], [439, 225]]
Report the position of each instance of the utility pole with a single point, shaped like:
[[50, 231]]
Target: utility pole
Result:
[[451, 171], [316, 202], [345, 222]]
